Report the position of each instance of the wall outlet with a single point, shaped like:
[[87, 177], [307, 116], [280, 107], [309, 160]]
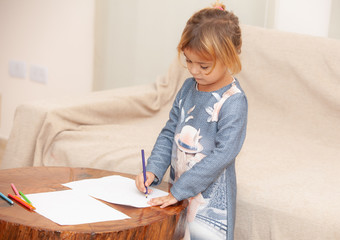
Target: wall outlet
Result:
[[38, 74], [17, 69]]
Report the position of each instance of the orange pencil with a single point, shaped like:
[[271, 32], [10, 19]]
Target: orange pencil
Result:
[[22, 202]]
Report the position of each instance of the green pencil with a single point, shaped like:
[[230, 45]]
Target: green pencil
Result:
[[24, 197]]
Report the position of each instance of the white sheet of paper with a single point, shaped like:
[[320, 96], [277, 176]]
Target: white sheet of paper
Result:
[[115, 189], [70, 207]]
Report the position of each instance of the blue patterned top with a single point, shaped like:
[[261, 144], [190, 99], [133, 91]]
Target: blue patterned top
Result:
[[200, 142]]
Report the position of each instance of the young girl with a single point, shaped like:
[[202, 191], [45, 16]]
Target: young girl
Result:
[[206, 127]]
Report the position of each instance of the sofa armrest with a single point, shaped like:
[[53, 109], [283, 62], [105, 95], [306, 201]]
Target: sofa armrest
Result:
[[20, 147]]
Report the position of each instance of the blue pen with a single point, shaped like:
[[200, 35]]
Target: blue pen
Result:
[[144, 173], [6, 198]]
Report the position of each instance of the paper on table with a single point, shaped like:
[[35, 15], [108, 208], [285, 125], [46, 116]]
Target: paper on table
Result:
[[70, 207], [115, 189]]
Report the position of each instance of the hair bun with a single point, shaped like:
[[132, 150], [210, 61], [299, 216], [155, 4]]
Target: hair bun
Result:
[[219, 5]]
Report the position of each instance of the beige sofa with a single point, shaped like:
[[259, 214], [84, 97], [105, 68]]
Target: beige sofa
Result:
[[288, 170]]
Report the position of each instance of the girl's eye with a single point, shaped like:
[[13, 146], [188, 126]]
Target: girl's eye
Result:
[[204, 67], [188, 61]]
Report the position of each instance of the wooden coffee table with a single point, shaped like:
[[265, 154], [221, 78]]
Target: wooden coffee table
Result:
[[16, 222]]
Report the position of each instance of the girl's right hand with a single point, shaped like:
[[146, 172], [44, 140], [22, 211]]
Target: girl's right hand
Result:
[[139, 181]]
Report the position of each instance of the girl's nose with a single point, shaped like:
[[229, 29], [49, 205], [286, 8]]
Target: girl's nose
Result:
[[194, 69]]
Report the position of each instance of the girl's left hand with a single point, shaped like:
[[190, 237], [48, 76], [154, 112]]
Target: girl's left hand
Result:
[[163, 201]]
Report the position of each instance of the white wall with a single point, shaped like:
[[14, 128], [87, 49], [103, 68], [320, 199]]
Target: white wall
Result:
[[56, 34], [303, 16], [137, 40], [334, 25]]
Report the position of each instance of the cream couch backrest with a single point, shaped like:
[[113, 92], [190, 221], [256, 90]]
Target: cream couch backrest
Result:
[[293, 83]]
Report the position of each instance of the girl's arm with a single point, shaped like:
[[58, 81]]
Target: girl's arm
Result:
[[160, 158], [229, 140]]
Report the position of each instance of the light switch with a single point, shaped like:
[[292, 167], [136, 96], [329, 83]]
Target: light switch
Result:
[[38, 74], [17, 69]]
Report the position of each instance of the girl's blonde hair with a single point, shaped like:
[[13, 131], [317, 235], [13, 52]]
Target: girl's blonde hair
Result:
[[214, 33]]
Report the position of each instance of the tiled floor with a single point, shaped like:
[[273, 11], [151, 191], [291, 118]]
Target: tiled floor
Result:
[[2, 148]]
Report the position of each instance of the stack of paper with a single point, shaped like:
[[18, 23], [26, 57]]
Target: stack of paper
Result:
[[78, 206]]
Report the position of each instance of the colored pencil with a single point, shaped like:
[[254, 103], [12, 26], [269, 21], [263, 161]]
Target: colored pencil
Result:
[[24, 197], [22, 202], [144, 173], [15, 189], [6, 198]]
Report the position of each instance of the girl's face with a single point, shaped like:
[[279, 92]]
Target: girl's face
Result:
[[200, 69]]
